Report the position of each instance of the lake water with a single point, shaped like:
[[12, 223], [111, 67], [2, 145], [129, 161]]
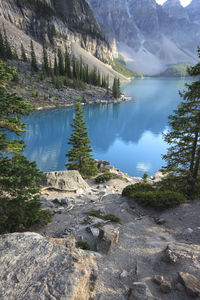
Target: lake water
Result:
[[129, 135]]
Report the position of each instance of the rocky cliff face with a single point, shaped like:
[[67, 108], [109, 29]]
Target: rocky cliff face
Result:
[[174, 9], [59, 23], [147, 32], [193, 10]]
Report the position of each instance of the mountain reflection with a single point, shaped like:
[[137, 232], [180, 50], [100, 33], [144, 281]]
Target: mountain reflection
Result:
[[116, 130]]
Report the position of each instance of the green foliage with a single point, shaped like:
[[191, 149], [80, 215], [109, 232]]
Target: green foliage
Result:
[[110, 217], [138, 187], [84, 245], [177, 70], [145, 177], [119, 66], [116, 88], [98, 225], [34, 67], [159, 200], [183, 156], [61, 68], [23, 54], [19, 179], [106, 176], [45, 62], [79, 157]]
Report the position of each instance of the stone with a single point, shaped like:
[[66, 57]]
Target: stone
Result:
[[33, 267], [107, 239], [66, 180], [94, 231], [158, 279], [160, 221], [191, 283], [187, 232], [57, 201], [165, 287], [169, 255], [140, 291], [123, 275]]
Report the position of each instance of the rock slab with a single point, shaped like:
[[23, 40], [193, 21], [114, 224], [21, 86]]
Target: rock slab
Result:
[[66, 180], [107, 239], [191, 283], [32, 267]]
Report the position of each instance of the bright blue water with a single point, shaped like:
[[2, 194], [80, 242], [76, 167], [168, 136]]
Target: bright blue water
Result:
[[129, 135]]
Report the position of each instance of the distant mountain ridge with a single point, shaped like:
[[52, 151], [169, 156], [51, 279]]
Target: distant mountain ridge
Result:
[[149, 35]]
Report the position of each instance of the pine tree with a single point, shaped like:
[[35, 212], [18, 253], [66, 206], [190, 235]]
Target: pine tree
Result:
[[116, 88], [2, 47], [19, 179], [45, 61], [55, 68], [183, 156], [67, 64], [8, 50], [34, 67], [74, 70], [61, 68], [23, 54], [79, 157]]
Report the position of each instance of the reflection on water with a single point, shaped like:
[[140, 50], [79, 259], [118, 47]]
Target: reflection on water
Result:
[[129, 135]]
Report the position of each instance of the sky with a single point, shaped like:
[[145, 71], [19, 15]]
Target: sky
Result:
[[183, 2]]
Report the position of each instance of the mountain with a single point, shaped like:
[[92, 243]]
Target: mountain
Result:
[[174, 9], [193, 10], [148, 35], [58, 23]]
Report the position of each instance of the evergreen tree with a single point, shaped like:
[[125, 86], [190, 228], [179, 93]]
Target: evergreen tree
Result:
[[19, 179], [183, 156], [23, 54], [87, 78], [79, 157], [45, 61], [74, 70], [61, 68], [2, 47], [15, 54], [55, 68], [8, 50], [34, 67], [67, 64], [116, 88]]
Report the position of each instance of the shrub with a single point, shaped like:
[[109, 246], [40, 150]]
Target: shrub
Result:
[[106, 176], [159, 200], [137, 187], [84, 245], [110, 217]]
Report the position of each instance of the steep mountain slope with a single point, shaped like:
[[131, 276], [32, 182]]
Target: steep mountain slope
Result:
[[193, 10], [147, 35], [59, 23], [174, 9]]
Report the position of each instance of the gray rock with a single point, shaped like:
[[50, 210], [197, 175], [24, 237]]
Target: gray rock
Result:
[[140, 291], [66, 180], [165, 287], [187, 232], [107, 239], [169, 255], [191, 283], [123, 275], [158, 279], [32, 267]]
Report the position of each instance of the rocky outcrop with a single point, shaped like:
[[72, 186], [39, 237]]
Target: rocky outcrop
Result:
[[32, 267], [107, 239], [193, 10], [174, 9], [58, 23], [66, 180], [191, 283]]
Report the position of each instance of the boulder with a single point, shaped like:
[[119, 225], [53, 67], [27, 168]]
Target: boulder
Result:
[[165, 287], [191, 283], [158, 279], [107, 239], [140, 291], [66, 180], [32, 267]]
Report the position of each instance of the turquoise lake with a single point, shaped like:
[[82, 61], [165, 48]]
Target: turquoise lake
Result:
[[129, 135]]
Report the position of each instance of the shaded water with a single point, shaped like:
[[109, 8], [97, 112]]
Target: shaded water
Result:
[[129, 135]]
